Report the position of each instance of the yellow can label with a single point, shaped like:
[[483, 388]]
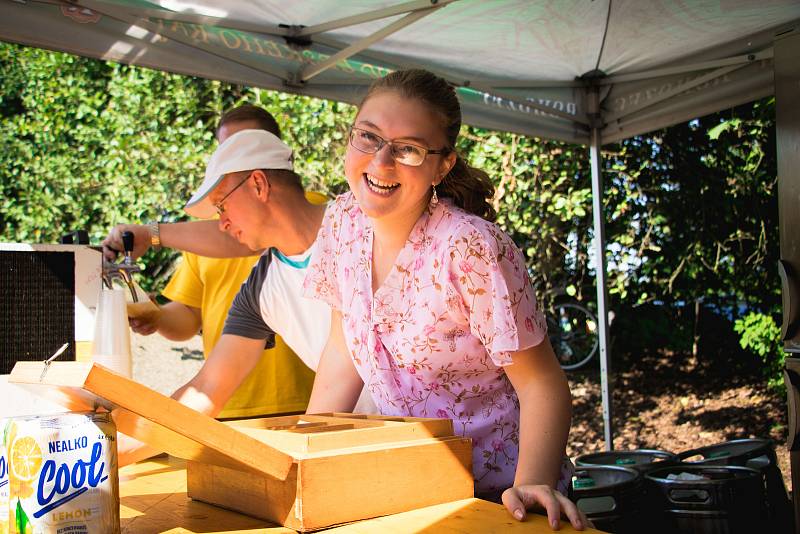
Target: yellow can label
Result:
[[4, 488], [62, 473]]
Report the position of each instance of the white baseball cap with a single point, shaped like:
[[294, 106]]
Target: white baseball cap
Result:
[[246, 150]]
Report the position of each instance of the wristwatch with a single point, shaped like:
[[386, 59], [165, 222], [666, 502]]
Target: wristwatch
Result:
[[155, 235]]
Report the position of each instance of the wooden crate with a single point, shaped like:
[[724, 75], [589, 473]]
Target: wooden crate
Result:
[[305, 472]]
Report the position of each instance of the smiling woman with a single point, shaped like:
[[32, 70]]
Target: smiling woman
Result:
[[433, 308]]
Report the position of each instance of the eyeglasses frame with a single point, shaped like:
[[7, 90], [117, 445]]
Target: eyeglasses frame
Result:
[[220, 205], [391, 143]]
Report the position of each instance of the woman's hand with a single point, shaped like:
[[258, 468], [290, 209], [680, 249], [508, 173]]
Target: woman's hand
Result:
[[518, 499]]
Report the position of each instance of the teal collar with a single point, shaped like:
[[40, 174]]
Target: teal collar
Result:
[[302, 264]]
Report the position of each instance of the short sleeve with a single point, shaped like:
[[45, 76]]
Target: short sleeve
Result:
[[186, 286], [321, 279], [488, 273], [244, 318]]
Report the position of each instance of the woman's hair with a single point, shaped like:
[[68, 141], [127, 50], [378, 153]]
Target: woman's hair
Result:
[[470, 188]]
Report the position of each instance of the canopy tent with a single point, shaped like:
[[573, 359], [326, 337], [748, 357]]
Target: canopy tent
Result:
[[524, 66], [574, 70]]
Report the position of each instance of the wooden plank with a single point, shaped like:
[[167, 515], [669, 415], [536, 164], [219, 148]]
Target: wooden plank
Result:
[[341, 486], [331, 437], [298, 426], [250, 493], [378, 417], [153, 418], [334, 487], [321, 428], [436, 427], [264, 422], [459, 517], [153, 499], [368, 430]]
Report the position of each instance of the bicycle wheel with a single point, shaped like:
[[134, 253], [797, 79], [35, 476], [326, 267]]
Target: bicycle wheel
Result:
[[572, 330]]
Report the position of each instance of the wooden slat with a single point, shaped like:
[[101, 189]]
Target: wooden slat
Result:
[[378, 417], [338, 486], [458, 517], [383, 480], [264, 422], [320, 428], [299, 426], [153, 418], [333, 437], [153, 499]]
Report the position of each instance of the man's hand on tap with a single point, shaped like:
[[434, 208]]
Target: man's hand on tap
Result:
[[112, 244]]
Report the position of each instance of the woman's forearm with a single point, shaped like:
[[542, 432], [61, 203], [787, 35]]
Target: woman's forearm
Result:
[[545, 414]]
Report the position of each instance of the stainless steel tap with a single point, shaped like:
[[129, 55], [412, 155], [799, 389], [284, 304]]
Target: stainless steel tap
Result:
[[124, 269]]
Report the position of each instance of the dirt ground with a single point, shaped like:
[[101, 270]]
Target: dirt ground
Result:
[[165, 365], [672, 403], [663, 401]]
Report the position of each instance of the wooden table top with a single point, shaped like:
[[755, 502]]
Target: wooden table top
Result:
[[153, 499]]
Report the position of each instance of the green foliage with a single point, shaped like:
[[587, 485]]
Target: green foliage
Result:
[[760, 335], [691, 210], [637, 329], [317, 129], [543, 201], [88, 144]]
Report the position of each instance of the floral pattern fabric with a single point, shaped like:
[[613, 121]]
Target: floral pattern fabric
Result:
[[433, 339]]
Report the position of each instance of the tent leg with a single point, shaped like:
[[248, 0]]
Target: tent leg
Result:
[[787, 126], [602, 289]]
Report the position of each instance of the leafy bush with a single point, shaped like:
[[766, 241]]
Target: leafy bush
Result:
[[690, 211], [762, 336], [638, 329]]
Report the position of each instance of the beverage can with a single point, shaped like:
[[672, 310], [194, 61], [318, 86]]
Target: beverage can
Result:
[[62, 472], [3, 481]]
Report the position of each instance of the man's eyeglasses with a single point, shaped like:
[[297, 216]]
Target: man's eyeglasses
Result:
[[404, 153], [220, 206]]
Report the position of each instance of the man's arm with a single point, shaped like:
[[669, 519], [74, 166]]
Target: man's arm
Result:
[[175, 321], [227, 366], [201, 237]]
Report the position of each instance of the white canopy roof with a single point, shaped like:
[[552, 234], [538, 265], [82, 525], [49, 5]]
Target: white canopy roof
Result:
[[528, 66]]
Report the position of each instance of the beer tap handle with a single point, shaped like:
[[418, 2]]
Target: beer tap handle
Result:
[[127, 243], [128, 266]]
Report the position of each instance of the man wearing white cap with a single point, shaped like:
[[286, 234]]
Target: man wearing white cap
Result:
[[250, 183], [270, 213]]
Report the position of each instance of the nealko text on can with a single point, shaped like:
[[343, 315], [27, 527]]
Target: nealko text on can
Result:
[[62, 474]]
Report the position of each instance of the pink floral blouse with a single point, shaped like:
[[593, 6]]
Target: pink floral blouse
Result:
[[433, 339]]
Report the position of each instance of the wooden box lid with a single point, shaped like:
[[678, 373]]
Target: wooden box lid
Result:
[[150, 416], [267, 445]]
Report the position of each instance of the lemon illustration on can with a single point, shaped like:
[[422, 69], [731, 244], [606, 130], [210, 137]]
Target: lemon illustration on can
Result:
[[26, 458]]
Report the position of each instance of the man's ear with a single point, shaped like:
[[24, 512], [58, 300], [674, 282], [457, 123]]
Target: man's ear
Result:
[[262, 185]]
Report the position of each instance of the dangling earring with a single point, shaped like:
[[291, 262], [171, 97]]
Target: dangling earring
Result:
[[434, 197]]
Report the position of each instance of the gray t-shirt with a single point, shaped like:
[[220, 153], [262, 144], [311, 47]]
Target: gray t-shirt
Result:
[[271, 302], [244, 318]]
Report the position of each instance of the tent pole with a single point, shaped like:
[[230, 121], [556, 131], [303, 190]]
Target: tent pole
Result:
[[602, 289], [787, 137]]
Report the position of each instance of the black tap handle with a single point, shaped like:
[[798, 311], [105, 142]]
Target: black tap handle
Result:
[[127, 242]]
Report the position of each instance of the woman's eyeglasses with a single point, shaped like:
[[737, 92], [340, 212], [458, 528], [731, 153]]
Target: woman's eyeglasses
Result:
[[404, 153]]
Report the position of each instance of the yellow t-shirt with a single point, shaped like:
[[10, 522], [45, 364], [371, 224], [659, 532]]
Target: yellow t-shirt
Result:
[[281, 382]]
